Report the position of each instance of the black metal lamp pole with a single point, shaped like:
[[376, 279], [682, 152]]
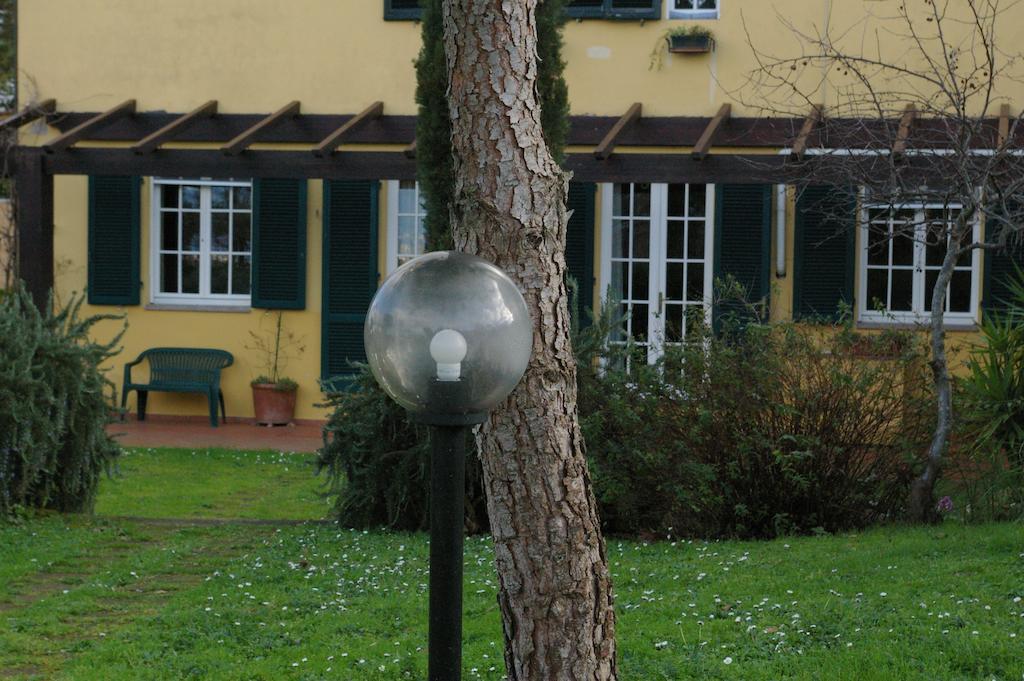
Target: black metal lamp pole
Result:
[[448, 433]]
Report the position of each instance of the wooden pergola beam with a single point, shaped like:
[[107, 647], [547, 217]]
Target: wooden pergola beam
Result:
[[167, 133], [29, 114], [607, 145], [248, 136], [331, 143], [410, 151], [703, 146], [800, 145], [1004, 125], [125, 108], [900, 145]]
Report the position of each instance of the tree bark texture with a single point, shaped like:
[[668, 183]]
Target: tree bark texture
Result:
[[555, 589]]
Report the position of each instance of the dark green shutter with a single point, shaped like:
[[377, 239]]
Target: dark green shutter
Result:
[[743, 219], [1000, 266], [279, 244], [823, 252], [613, 9], [579, 246], [397, 10], [350, 271], [113, 277]]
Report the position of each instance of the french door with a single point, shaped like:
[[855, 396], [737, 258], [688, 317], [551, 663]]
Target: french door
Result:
[[657, 250]]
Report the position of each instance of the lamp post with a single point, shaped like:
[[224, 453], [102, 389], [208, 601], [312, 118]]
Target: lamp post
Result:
[[448, 337]]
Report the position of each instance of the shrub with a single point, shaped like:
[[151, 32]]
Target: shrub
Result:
[[377, 462], [53, 407], [754, 432], [991, 477]]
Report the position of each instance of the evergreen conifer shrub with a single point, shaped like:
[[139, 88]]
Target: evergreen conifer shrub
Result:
[[53, 406]]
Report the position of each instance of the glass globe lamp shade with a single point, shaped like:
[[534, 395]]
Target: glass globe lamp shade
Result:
[[448, 333]]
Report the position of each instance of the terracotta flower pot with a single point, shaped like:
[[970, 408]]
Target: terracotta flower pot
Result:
[[273, 407]]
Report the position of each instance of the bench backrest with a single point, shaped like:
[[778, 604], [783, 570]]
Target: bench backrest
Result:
[[186, 365]]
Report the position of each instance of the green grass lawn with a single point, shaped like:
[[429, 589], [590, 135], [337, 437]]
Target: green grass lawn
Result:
[[95, 598], [213, 483]]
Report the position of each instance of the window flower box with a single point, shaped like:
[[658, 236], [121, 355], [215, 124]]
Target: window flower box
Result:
[[689, 43]]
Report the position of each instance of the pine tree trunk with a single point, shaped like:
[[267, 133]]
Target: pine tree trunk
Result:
[[555, 590]]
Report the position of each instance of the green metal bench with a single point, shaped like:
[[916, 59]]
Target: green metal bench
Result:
[[179, 370]]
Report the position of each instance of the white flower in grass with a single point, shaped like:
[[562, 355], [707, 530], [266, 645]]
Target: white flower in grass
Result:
[[727, 660]]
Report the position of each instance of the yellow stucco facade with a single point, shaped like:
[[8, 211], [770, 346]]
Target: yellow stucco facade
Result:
[[337, 56]]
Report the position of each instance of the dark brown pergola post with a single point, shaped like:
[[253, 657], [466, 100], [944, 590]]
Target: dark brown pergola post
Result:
[[34, 196]]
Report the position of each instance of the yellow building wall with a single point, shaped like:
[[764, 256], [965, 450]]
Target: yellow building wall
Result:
[[338, 56], [225, 330]]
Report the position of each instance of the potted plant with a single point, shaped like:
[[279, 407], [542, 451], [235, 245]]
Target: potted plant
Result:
[[682, 40], [273, 395]]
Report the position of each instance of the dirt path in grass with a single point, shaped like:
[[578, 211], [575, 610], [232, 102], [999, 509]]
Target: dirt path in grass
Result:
[[49, 615]]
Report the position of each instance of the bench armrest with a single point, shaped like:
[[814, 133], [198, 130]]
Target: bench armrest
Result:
[[128, 369]]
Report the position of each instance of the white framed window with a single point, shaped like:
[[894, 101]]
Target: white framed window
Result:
[[657, 250], [407, 236], [901, 252], [201, 242], [693, 9]]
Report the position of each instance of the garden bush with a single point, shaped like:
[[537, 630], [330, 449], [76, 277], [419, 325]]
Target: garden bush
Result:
[[753, 431], [377, 462], [53, 406], [988, 469]]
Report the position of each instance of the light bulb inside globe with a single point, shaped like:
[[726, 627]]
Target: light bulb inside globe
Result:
[[448, 349]]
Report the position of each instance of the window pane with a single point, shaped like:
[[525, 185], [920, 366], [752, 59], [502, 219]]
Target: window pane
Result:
[[684, 4], [169, 196], [902, 249], [935, 245], [219, 197], [241, 233], [673, 323], [240, 274], [698, 198], [674, 240], [190, 274], [639, 322], [620, 200], [642, 199], [169, 231], [190, 196], [618, 283], [960, 292], [406, 196], [878, 285], [674, 281], [640, 289], [219, 274], [902, 291], [190, 231], [930, 277], [421, 236], [695, 240], [641, 238], [965, 258], [242, 198], [220, 226], [694, 282], [169, 274], [620, 239], [407, 235], [618, 333], [677, 200], [878, 245]]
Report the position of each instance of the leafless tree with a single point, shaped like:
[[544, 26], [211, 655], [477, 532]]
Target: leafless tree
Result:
[[917, 115]]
